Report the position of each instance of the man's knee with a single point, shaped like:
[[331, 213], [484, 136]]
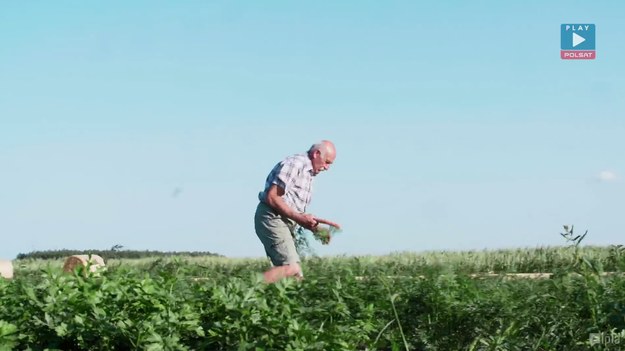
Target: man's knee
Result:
[[280, 272], [294, 269]]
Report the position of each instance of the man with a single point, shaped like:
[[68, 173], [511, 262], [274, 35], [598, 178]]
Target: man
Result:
[[282, 206]]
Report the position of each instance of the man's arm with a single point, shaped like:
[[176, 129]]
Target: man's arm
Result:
[[274, 199]]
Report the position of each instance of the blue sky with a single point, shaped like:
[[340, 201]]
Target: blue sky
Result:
[[153, 124]]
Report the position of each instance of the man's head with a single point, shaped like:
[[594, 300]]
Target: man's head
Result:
[[322, 155]]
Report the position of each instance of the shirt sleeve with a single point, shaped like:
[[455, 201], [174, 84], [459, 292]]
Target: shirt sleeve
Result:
[[285, 175]]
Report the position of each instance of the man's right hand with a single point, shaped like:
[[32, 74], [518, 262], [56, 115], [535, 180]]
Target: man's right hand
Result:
[[307, 221], [274, 200]]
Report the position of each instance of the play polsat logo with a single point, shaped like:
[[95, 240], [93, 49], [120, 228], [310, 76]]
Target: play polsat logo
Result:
[[577, 42]]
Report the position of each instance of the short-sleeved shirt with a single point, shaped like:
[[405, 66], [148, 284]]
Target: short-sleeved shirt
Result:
[[295, 175]]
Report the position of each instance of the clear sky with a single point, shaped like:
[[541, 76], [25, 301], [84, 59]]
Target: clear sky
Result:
[[153, 124]]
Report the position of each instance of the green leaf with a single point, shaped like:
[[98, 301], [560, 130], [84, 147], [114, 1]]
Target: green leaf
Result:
[[79, 320]]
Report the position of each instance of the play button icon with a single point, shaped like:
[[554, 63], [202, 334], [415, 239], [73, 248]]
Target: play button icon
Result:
[[577, 39]]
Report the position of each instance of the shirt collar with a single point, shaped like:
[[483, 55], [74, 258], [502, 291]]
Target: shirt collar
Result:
[[308, 164]]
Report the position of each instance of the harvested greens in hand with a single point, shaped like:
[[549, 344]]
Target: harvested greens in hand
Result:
[[324, 233]]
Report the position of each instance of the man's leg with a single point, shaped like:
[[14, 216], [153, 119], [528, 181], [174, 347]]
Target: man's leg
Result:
[[280, 272], [275, 234]]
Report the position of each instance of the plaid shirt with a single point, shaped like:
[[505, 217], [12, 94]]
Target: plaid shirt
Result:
[[294, 174]]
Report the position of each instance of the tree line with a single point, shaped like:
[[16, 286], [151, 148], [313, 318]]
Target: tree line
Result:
[[115, 252]]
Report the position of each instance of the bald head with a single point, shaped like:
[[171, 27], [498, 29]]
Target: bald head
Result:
[[326, 147], [322, 155]]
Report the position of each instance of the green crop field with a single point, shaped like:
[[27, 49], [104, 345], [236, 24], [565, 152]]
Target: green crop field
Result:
[[404, 301]]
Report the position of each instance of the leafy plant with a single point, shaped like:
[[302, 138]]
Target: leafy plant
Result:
[[426, 301]]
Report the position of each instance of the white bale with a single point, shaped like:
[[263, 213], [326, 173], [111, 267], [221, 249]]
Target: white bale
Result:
[[72, 262], [6, 269]]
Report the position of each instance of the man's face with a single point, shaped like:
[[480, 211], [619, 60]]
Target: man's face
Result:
[[321, 162]]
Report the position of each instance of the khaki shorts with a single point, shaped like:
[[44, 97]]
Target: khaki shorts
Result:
[[276, 233]]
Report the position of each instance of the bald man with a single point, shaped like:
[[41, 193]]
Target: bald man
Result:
[[282, 206]]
